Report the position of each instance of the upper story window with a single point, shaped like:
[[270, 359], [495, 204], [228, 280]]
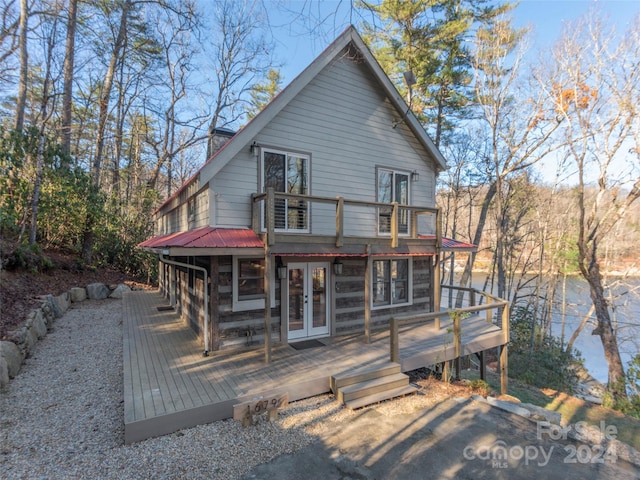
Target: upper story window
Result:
[[393, 186], [288, 173]]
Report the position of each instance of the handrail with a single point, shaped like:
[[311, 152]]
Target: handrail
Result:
[[341, 205], [456, 315]]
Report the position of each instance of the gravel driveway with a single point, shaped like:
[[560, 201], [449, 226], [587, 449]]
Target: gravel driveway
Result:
[[62, 418]]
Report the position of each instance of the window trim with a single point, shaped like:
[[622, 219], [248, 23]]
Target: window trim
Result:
[[409, 283], [255, 304], [287, 154], [394, 172]]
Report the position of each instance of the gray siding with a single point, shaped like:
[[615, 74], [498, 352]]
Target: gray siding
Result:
[[346, 125]]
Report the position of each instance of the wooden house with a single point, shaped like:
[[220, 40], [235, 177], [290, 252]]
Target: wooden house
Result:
[[317, 219]]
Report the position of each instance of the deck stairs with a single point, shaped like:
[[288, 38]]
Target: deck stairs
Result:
[[367, 385]]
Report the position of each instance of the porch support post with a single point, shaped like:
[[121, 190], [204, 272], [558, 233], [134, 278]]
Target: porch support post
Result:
[[214, 314], [483, 365], [394, 225], [267, 304], [367, 299], [504, 369], [436, 282]]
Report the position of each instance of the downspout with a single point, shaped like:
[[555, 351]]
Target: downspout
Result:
[[206, 295]]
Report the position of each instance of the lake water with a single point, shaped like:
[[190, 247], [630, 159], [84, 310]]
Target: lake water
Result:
[[626, 313]]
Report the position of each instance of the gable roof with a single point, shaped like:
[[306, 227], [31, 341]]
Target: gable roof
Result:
[[244, 137]]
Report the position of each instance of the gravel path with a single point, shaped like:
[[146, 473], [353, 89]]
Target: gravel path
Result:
[[62, 416]]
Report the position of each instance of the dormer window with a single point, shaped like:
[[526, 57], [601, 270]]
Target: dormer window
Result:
[[287, 172]]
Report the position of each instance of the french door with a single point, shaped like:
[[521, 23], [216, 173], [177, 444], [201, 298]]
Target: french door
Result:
[[307, 300]]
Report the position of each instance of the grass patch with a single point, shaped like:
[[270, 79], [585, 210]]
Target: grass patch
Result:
[[572, 409]]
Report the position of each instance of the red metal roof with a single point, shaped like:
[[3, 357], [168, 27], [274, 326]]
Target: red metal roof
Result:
[[451, 244], [207, 237]]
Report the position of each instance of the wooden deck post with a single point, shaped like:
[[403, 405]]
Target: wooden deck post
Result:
[[214, 314], [340, 222], [393, 337], [394, 225], [457, 341], [367, 299], [267, 304], [437, 291], [504, 369], [270, 216]]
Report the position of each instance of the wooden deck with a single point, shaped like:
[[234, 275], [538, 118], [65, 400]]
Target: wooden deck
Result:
[[170, 385]]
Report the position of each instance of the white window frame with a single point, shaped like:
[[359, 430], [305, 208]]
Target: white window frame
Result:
[[287, 154], [393, 172], [254, 304], [391, 283]]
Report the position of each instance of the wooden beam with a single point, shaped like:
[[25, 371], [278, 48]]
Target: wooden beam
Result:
[[340, 222], [270, 216], [267, 304], [393, 340], [367, 300], [214, 300], [394, 225], [504, 369]]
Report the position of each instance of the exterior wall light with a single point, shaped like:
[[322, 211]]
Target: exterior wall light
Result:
[[282, 272], [415, 176], [337, 267], [255, 149]]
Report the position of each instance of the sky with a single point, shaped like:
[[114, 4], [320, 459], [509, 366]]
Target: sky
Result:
[[296, 48]]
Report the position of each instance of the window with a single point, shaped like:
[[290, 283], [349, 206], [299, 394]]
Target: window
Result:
[[248, 284], [393, 187], [288, 173], [391, 282]]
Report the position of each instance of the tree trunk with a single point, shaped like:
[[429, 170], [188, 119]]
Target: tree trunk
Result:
[[89, 235], [617, 383], [468, 268], [24, 65], [68, 77]]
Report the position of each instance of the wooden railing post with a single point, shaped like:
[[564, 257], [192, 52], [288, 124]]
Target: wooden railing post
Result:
[[270, 215], [489, 312], [457, 340], [340, 222], [394, 346], [394, 225]]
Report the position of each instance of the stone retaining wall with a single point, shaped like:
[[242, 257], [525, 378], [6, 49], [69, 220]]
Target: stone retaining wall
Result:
[[40, 321]]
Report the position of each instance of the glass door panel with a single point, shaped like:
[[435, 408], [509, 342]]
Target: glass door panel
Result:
[[297, 302], [308, 300]]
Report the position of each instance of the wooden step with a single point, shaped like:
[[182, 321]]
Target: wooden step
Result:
[[370, 387], [381, 397], [362, 374]]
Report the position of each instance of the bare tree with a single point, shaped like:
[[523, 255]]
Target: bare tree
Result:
[[597, 97], [67, 94], [24, 65], [241, 57]]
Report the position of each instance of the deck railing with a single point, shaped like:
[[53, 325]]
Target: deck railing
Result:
[[494, 307], [285, 213]]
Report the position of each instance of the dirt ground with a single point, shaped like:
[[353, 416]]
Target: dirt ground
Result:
[[20, 289]]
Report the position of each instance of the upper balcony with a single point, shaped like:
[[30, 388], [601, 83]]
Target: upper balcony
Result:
[[293, 218]]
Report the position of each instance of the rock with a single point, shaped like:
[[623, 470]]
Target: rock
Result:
[[12, 356], [78, 294], [97, 291], [30, 339], [550, 416], [119, 290], [36, 323], [59, 304], [4, 373], [509, 407]]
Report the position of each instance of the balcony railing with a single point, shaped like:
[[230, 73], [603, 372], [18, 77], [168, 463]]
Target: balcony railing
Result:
[[284, 213], [496, 311]]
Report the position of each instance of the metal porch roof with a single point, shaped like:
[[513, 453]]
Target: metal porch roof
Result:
[[206, 237]]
